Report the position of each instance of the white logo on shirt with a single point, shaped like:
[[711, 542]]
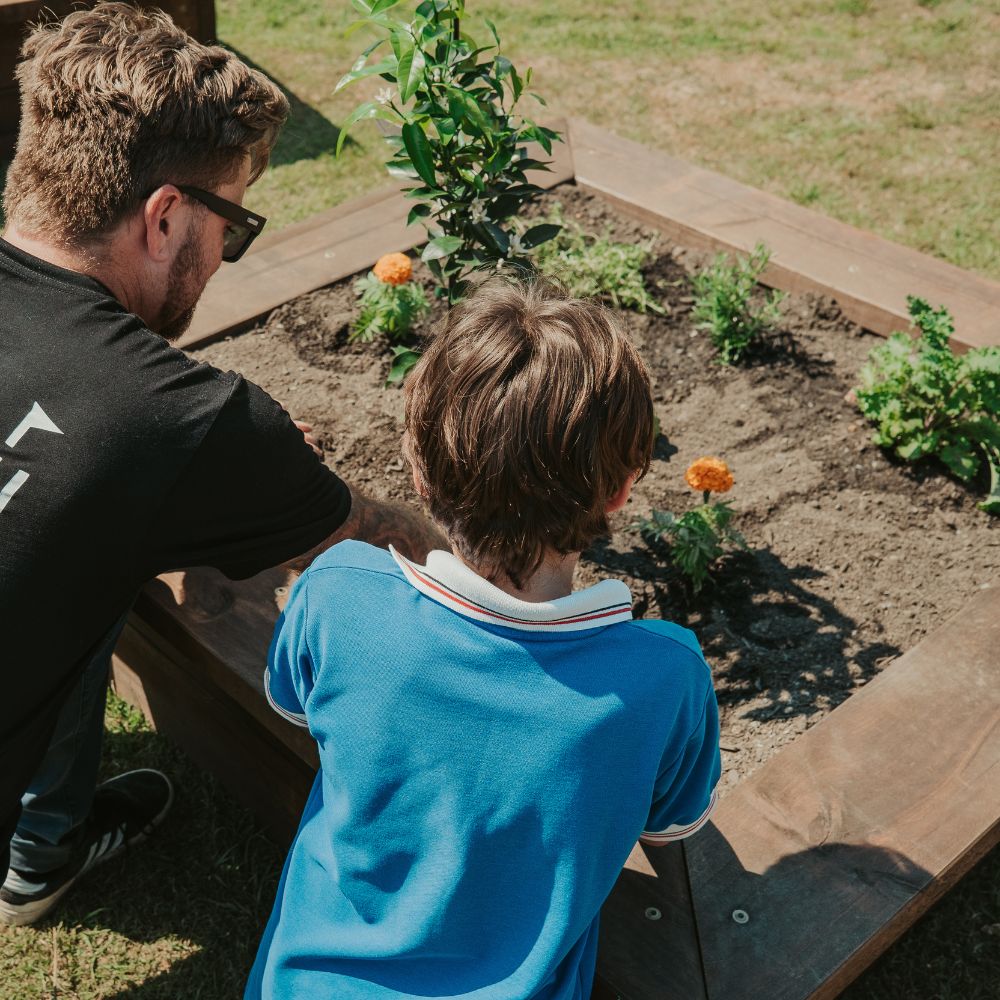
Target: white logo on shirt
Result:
[[37, 420]]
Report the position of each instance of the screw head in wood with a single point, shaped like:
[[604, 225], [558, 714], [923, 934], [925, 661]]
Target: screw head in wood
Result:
[[741, 916], [652, 913]]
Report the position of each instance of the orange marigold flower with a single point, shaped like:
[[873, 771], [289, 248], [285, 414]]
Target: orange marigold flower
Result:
[[709, 475], [393, 268]]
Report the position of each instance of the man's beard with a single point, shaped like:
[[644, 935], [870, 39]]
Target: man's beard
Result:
[[184, 288]]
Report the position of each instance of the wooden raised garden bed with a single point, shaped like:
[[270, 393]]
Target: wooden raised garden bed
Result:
[[834, 845]]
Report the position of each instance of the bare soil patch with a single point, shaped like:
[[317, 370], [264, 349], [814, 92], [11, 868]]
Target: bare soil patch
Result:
[[853, 556]]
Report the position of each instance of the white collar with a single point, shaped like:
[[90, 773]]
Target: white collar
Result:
[[447, 580]]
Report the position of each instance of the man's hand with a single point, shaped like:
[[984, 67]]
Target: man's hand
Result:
[[311, 438], [381, 524]]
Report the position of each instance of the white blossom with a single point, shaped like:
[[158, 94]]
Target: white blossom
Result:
[[384, 96], [515, 247], [477, 210]]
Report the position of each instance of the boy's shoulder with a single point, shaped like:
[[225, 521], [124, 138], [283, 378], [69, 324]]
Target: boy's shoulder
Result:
[[670, 634], [670, 646], [354, 555]]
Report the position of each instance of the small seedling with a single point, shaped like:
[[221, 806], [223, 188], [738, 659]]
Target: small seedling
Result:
[[390, 301], [700, 537], [725, 307], [597, 267], [927, 401]]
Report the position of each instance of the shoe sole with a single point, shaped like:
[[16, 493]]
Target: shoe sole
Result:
[[30, 913]]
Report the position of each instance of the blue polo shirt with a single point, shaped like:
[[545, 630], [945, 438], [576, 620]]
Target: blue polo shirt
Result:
[[487, 765]]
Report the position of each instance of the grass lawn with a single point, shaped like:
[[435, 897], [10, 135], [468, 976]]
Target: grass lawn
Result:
[[883, 114]]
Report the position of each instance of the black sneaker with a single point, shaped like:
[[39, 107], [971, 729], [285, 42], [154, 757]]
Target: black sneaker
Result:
[[125, 810]]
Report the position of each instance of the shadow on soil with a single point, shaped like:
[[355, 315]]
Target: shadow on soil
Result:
[[773, 629], [307, 134]]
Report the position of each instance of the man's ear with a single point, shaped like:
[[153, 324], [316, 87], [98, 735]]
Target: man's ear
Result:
[[162, 218], [621, 497]]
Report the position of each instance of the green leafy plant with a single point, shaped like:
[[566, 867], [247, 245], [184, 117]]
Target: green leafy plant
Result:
[[460, 143], [387, 308], [725, 307], [927, 401], [597, 267], [699, 537], [403, 360]]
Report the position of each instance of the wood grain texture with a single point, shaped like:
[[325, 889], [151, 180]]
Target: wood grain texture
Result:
[[224, 627], [640, 958], [837, 844], [870, 277], [319, 251], [180, 702]]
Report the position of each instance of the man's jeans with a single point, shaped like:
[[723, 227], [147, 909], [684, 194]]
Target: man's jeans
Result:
[[58, 800]]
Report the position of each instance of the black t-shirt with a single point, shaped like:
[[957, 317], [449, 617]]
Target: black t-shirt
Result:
[[121, 458]]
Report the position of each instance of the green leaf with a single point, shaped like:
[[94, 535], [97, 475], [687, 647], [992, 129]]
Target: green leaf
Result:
[[493, 30], [992, 503], [362, 7], [419, 151], [539, 234], [380, 5], [464, 108], [442, 246], [360, 71], [410, 73], [499, 239], [404, 359], [417, 213], [963, 461], [361, 111], [516, 86]]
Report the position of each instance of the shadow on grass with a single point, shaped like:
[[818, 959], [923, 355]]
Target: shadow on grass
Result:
[[767, 621], [307, 134], [207, 876]]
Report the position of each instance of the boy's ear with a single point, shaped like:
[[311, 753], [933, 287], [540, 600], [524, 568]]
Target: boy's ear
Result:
[[418, 483], [621, 497]]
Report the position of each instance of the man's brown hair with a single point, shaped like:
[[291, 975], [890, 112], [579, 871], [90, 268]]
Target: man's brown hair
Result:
[[527, 414], [117, 101]]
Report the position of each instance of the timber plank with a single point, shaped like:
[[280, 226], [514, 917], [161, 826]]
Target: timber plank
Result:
[[640, 958], [224, 627], [869, 277], [319, 251], [183, 704], [841, 841]]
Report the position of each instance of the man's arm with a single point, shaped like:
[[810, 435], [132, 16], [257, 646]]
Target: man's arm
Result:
[[381, 524]]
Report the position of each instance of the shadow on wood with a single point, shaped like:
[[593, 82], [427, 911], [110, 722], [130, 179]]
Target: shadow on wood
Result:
[[649, 941]]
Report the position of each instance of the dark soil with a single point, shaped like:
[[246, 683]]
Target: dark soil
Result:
[[853, 556]]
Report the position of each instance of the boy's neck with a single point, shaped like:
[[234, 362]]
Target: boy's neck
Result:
[[552, 580]]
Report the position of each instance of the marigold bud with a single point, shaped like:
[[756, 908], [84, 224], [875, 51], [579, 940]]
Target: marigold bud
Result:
[[709, 475], [393, 268]]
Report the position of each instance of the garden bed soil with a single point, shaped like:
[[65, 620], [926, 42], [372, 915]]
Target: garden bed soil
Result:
[[853, 557]]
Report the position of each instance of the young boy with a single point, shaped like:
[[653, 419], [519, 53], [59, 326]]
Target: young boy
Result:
[[492, 743]]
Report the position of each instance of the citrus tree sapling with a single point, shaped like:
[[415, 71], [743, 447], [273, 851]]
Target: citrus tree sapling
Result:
[[460, 143]]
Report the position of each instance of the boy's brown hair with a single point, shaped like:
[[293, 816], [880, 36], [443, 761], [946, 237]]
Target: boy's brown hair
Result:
[[527, 414], [117, 101]]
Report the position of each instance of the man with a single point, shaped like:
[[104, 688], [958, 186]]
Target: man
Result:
[[120, 457]]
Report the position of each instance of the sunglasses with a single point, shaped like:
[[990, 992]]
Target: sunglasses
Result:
[[243, 226]]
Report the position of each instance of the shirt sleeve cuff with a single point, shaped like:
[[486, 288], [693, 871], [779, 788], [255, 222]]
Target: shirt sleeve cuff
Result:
[[679, 831], [295, 717]]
